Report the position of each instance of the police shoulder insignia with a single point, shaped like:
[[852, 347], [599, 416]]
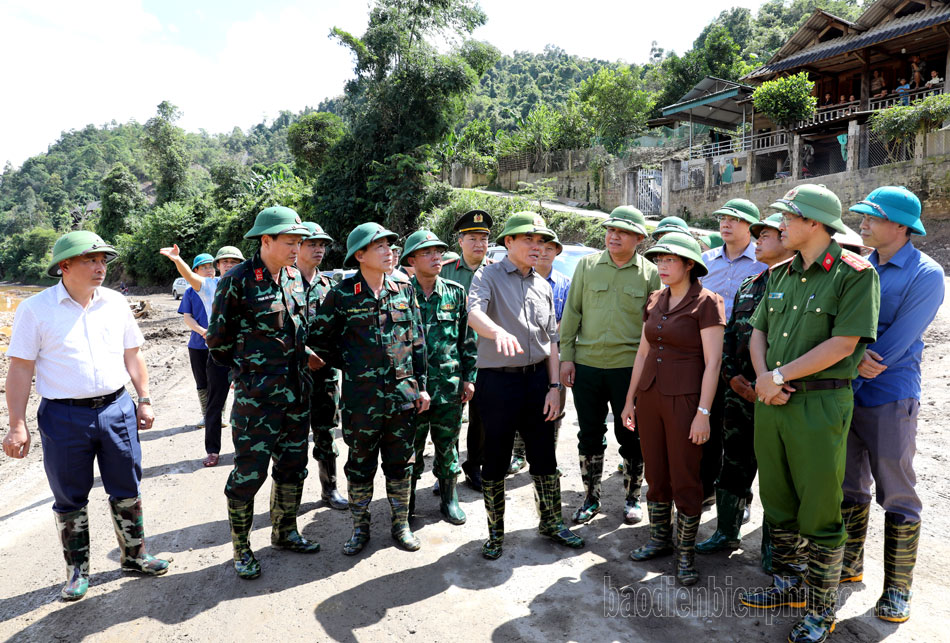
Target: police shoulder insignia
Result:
[[856, 261]]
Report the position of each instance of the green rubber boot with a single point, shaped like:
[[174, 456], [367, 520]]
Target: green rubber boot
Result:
[[398, 492], [130, 532], [632, 482], [449, 505], [661, 532], [686, 528], [493, 492], [855, 518], [729, 508], [592, 470], [203, 402], [518, 462], [547, 500], [284, 505], [412, 499], [900, 556], [73, 528], [240, 516], [360, 494], [824, 570], [789, 564], [765, 550]]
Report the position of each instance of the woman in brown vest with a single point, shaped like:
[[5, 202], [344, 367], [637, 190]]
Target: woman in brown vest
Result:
[[671, 389]]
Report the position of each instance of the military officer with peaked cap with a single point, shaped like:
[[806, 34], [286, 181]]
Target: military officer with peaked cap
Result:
[[809, 332]]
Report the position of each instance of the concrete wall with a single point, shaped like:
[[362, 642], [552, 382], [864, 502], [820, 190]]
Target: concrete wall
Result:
[[606, 189]]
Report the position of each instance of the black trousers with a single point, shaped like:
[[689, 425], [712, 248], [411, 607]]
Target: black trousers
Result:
[[219, 382], [198, 357], [510, 402], [712, 449]]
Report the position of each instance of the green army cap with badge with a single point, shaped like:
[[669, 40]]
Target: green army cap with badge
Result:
[[75, 244], [277, 220], [741, 209], [525, 223], [681, 245], [670, 224], [317, 233], [773, 221], [626, 217], [363, 235], [813, 201], [228, 252], [473, 221], [419, 240]]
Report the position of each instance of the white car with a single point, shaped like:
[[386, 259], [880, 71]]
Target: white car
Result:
[[179, 287], [565, 263]]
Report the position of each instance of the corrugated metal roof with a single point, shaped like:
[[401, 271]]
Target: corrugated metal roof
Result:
[[853, 42], [815, 24], [877, 11]]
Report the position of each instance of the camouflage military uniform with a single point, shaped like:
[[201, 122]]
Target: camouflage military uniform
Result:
[[378, 343], [259, 330], [451, 355], [325, 398]]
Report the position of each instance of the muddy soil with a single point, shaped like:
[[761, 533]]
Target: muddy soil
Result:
[[444, 592]]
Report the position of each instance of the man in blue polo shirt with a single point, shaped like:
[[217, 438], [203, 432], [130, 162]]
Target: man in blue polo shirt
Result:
[[882, 438]]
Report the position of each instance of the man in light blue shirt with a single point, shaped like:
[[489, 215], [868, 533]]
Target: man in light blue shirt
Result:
[[882, 438]]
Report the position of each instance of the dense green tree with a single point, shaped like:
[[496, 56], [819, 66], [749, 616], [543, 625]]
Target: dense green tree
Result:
[[615, 105], [165, 142], [786, 101], [121, 198], [311, 137]]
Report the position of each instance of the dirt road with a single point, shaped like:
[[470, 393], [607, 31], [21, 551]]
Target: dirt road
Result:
[[444, 592]]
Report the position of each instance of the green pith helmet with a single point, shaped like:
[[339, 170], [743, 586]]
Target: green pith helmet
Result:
[[201, 260], [681, 245], [557, 242], [897, 204], [363, 235], [316, 232], [741, 209], [417, 241], [627, 217], [713, 240], [525, 223], [277, 220], [771, 221], [228, 252], [813, 202], [670, 224], [450, 256], [78, 243]]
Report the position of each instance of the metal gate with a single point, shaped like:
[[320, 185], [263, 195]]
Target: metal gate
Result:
[[649, 191]]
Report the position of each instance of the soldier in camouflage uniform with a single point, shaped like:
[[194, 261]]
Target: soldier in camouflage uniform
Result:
[[451, 352], [325, 397], [369, 326], [258, 328], [738, 467]]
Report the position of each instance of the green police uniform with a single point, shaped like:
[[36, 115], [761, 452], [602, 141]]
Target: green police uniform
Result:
[[801, 445], [459, 272], [379, 345]]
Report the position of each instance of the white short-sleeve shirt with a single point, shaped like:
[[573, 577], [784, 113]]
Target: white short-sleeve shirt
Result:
[[79, 352]]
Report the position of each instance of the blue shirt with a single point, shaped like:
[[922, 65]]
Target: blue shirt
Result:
[[911, 292], [725, 275], [192, 304], [560, 284]]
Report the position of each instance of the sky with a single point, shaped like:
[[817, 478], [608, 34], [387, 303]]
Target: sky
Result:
[[228, 63]]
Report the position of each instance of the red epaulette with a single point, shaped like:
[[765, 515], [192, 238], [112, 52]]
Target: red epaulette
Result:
[[856, 261]]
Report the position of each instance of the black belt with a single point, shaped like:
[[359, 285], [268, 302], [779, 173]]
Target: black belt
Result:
[[94, 402], [530, 368], [819, 385]]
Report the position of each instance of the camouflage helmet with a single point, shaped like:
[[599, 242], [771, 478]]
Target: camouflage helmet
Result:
[[277, 220], [75, 244], [417, 241], [363, 235]]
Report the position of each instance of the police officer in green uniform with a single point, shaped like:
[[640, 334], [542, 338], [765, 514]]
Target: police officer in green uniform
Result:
[[451, 354], [258, 328], [808, 337], [369, 326], [734, 485], [473, 229], [325, 397]]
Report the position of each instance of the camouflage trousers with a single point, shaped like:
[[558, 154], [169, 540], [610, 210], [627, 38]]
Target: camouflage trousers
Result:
[[269, 422], [372, 435], [324, 402], [443, 422], [738, 445]]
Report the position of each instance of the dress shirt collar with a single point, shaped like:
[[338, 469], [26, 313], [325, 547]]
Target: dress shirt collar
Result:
[[900, 258], [62, 294], [635, 260], [511, 267], [749, 252], [690, 295]]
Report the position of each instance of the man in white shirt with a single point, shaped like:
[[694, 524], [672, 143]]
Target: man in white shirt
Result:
[[83, 343]]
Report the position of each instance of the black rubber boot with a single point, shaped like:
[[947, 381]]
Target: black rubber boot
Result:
[[729, 508], [328, 491]]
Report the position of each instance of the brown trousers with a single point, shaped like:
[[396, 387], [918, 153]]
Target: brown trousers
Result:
[[672, 462]]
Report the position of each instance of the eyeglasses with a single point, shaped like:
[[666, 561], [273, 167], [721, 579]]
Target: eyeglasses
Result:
[[876, 208], [432, 252]]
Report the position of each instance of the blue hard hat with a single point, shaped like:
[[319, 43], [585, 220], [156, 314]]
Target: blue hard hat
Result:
[[201, 260], [897, 204]]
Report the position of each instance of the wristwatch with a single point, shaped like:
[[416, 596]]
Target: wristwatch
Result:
[[702, 410], [777, 377], [555, 386], [145, 400]]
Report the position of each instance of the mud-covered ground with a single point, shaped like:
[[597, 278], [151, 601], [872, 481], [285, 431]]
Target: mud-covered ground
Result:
[[446, 591]]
